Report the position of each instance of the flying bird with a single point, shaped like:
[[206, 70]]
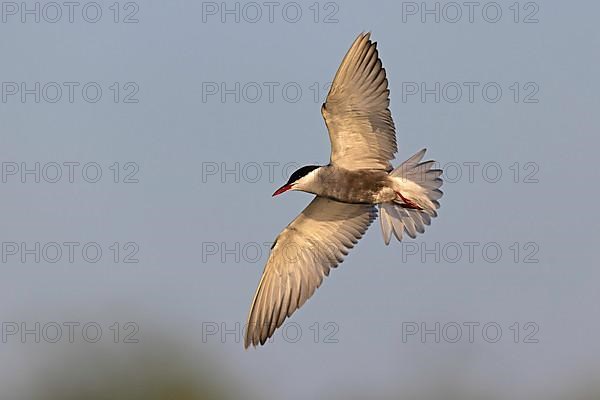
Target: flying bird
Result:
[[358, 179]]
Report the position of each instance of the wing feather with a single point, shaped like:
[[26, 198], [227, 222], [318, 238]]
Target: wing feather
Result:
[[360, 125], [303, 254]]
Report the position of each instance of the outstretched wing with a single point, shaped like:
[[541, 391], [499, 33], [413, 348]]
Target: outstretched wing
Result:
[[361, 129], [303, 253]]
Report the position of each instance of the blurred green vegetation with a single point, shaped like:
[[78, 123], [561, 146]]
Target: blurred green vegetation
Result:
[[160, 369], [133, 372]]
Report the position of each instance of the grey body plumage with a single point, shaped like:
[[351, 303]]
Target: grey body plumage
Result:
[[357, 187]]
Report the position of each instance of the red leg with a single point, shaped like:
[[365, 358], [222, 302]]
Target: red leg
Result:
[[409, 203]]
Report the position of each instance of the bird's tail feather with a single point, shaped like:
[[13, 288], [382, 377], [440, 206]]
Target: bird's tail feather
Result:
[[420, 183]]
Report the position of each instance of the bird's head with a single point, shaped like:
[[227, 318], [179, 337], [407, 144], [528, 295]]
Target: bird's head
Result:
[[301, 179]]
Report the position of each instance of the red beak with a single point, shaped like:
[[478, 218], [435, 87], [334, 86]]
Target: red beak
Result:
[[282, 189]]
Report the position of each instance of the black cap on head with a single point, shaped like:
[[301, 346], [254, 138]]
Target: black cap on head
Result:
[[300, 173]]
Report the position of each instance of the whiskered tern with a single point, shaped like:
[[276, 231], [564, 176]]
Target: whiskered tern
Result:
[[358, 178]]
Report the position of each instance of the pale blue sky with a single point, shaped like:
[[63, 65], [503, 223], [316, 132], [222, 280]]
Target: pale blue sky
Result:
[[172, 135]]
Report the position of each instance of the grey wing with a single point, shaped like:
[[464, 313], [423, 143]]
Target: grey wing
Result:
[[303, 253], [360, 125]]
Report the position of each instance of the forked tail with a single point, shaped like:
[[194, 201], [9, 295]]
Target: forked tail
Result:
[[417, 188]]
